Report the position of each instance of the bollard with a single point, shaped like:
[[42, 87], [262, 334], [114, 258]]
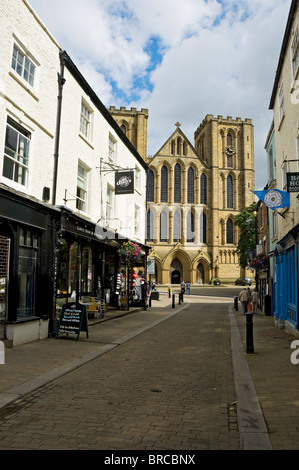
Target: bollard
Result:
[[180, 297], [249, 333], [150, 301], [173, 301], [236, 303]]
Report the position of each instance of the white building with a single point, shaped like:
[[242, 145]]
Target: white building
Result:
[[61, 221]]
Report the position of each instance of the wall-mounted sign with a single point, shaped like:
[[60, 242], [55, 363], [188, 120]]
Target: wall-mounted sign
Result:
[[124, 182], [293, 182]]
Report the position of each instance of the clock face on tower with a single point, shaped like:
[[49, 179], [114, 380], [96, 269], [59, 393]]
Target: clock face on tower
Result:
[[229, 150]]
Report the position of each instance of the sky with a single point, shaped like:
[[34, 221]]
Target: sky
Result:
[[180, 60]]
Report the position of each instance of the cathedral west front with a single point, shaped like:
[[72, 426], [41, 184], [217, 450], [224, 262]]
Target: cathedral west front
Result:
[[194, 193]]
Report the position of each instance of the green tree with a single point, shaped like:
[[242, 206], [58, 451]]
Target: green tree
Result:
[[247, 233]]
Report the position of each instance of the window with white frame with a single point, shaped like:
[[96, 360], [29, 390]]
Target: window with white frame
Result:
[[295, 51], [16, 152], [112, 148], [23, 65], [85, 120], [109, 202], [81, 188], [281, 102]]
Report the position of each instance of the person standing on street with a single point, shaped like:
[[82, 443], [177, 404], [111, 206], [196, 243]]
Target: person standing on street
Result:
[[255, 298], [188, 288], [183, 287], [244, 298]]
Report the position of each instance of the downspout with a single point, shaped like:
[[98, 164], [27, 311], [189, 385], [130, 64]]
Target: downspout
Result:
[[61, 82]]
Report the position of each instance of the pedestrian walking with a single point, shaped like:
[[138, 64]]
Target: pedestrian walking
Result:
[[188, 285], [183, 287], [243, 298], [255, 298], [148, 292]]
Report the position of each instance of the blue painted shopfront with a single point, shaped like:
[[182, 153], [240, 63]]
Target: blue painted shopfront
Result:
[[286, 291]]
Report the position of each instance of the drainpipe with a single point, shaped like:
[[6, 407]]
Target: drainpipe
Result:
[[61, 82]]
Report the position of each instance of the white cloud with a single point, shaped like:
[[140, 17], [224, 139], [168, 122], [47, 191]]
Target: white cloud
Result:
[[219, 57]]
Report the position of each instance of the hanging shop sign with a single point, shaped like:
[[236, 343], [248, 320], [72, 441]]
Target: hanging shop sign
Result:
[[293, 182], [72, 319], [124, 182]]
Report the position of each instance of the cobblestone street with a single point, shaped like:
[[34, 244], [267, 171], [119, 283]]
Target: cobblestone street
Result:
[[169, 388]]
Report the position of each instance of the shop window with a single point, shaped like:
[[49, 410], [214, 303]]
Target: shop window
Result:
[[73, 260], [27, 273], [16, 152], [86, 271]]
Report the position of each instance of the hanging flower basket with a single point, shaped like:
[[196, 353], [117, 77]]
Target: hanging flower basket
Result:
[[129, 252], [260, 262]]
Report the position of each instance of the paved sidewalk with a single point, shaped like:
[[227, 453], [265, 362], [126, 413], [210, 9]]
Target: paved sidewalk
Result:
[[266, 381], [274, 378]]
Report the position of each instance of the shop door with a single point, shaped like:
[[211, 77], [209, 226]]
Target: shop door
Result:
[[4, 264]]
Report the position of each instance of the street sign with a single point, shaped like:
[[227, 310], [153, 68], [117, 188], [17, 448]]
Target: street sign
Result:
[[293, 182], [72, 319]]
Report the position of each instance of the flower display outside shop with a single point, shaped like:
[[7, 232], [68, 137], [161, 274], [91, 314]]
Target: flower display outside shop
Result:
[[260, 262], [129, 251]]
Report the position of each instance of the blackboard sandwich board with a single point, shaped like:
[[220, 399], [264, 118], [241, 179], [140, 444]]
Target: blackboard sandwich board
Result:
[[73, 320]]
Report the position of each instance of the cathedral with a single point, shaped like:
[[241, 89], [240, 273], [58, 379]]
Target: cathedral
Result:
[[194, 193]]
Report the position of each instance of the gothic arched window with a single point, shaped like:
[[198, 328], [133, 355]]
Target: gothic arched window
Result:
[[229, 191], [203, 228], [229, 231], [203, 189], [190, 227], [163, 226], [149, 226], [164, 184], [150, 186], [178, 146], [229, 140], [176, 226], [177, 183], [190, 193]]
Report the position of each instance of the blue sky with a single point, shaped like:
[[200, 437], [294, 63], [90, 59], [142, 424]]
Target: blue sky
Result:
[[179, 60]]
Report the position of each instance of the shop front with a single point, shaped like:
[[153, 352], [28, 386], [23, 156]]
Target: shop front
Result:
[[89, 268], [26, 268]]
